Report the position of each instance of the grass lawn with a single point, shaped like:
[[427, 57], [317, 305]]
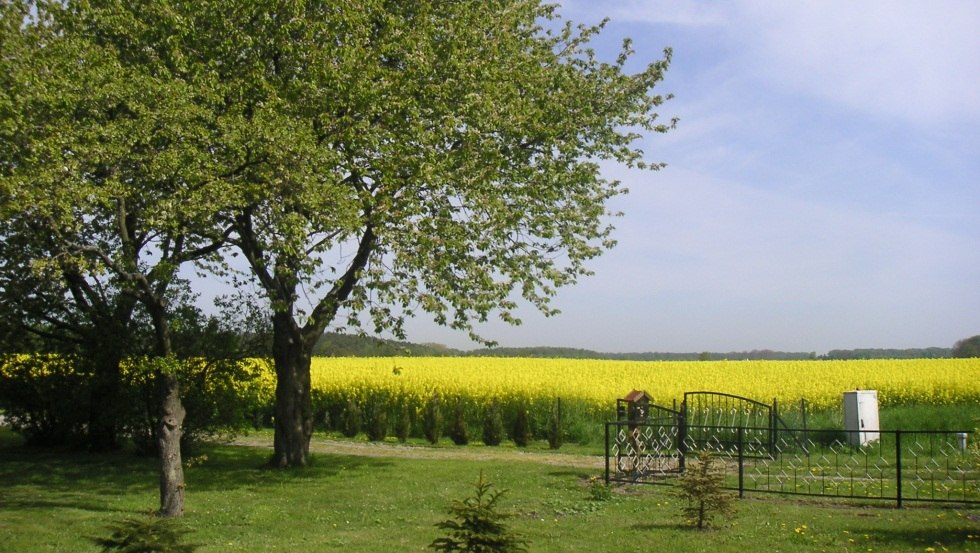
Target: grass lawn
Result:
[[56, 500]]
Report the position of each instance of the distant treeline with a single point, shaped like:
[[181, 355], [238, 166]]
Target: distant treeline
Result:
[[911, 353], [345, 345]]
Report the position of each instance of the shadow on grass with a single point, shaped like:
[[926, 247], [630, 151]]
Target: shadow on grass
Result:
[[954, 532], [229, 467], [37, 478]]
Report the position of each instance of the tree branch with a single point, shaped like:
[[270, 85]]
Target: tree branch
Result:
[[327, 308]]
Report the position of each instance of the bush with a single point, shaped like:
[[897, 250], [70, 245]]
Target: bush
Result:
[[377, 420], [556, 430], [222, 397], [458, 432], [149, 535], [403, 422], [432, 419], [45, 399], [49, 399], [350, 419], [521, 430], [701, 486], [493, 425], [477, 525]]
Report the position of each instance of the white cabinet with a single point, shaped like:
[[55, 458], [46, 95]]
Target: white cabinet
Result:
[[861, 417]]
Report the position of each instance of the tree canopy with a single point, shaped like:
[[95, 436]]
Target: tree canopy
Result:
[[371, 161], [104, 175], [967, 347]]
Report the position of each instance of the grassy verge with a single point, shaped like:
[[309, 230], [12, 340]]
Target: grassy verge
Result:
[[51, 501]]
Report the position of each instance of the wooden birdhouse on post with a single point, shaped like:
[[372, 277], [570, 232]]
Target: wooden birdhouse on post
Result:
[[634, 407]]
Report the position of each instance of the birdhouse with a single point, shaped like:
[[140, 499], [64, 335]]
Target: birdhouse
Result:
[[635, 406]]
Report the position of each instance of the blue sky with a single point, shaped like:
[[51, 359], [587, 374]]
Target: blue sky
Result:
[[822, 188]]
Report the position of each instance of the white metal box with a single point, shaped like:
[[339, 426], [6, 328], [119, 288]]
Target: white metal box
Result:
[[861, 417]]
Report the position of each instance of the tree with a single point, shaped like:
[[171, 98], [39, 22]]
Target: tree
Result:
[[701, 486], [378, 160], [478, 526], [85, 318], [445, 161], [105, 156], [967, 347]]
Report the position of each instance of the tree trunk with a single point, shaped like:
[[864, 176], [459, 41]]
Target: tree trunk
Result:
[[170, 428], [293, 412], [168, 438]]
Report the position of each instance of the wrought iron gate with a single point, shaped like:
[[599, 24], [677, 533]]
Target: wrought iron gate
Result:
[[712, 419], [771, 458], [646, 442]]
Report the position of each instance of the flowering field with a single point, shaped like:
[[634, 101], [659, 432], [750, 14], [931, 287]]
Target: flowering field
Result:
[[396, 392], [588, 389], [599, 383]]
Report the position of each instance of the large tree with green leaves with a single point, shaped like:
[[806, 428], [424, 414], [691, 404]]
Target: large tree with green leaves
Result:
[[445, 160], [377, 160], [103, 177]]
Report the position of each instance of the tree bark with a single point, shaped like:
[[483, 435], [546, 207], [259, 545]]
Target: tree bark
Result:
[[170, 428], [292, 344], [168, 439], [293, 411]]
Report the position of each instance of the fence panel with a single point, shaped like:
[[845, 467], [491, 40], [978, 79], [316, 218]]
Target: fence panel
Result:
[[894, 465]]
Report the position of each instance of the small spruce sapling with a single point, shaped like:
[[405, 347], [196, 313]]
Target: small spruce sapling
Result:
[[477, 525], [350, 419], [556, 430], [701, 486], [377, 420], [403, 422]]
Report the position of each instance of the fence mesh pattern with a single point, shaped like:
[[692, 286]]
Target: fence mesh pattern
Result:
[[898, 465]]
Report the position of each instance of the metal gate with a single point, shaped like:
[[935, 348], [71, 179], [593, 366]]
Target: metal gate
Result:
[[712, 420], [759, 453], [650, 441], [645, 442]]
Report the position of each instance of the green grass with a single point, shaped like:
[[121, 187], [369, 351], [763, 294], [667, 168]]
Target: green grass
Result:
[[959, 417], [53, 500]]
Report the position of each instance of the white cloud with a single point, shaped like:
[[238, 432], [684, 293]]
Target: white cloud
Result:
[[918, 62], [912, 61]]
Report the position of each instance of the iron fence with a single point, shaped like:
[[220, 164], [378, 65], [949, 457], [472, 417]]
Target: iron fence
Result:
[[894, 465]]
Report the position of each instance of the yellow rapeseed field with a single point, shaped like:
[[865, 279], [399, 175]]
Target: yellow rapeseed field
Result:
[[599, 383]]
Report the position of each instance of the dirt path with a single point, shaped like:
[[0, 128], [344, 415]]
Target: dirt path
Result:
[[372, 449]]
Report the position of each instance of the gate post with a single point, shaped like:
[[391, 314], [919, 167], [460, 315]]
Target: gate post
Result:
[[773, 417], [898, 467], [682, 436], [607, 452], [741, 464]]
